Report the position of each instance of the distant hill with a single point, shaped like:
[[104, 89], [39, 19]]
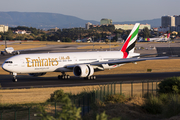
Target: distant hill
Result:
[[52, 20], [42, 20]]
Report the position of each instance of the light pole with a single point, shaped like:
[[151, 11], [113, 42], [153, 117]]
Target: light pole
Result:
[[110, 42], [5, 41], [93, 42]]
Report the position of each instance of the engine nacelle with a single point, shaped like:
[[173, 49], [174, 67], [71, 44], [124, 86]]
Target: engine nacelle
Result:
[[83, 70], [15, 52], [36, 74]]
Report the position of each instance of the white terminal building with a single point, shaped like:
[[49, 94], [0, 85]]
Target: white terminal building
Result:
[[107, 22], [130, 26], [3, 28]]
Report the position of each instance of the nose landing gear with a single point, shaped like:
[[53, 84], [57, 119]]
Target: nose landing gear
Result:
[[14, 77]]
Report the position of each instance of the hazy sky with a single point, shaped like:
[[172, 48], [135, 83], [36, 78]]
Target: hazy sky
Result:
[[117, 10]]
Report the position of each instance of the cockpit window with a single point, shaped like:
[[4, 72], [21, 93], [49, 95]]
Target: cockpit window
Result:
[[8, 62]]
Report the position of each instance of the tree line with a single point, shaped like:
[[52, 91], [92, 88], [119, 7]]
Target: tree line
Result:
[[70, 34]]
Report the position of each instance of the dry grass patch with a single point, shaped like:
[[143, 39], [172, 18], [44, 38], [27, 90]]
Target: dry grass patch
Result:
[[100, 46], [2, 72], [35, 95], [59, 43], [39, 95], [21, 46]]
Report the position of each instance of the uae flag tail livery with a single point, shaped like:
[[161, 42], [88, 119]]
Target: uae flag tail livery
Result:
[[130, 42]]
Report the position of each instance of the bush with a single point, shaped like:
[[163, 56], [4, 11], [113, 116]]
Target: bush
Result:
[[102, 116], [170, 85], [68, 110], [164, 98], [167, 104], [117, 98], [153, 105], [59, 96], [173, 107]]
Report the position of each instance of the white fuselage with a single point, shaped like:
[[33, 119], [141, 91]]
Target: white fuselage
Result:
[[56, 62]]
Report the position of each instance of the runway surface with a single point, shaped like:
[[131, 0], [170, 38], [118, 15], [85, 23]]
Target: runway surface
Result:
[[25, 81]]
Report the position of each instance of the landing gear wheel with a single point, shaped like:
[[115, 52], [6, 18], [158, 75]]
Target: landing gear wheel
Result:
[[90, 78], [63, 76], [59, 77], [94, 77], [14, 79]]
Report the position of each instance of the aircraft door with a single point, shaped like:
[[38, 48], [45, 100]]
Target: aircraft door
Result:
[[22, 63], [75, 59], [100, 58]]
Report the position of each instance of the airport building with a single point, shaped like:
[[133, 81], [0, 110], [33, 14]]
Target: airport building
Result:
[[3, 28], [167, 21], [105, 21], [88, 25], [130, 26], [177, 20], [170, 23]]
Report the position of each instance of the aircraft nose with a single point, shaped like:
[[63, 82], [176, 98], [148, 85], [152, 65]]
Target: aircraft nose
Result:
[[5, 67]]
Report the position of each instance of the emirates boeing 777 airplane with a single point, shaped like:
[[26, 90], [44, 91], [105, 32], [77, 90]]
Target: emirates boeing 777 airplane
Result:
[[82, 64]]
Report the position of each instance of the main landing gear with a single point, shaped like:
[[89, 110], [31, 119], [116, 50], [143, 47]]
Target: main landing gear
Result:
[[90, 78], [63, 76], [14, 77]]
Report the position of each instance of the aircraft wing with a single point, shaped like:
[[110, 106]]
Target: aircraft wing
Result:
[[127, 60], [118, 61]]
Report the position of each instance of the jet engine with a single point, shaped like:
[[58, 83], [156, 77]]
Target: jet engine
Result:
[[83, 70], [16, 52], [36, 74]]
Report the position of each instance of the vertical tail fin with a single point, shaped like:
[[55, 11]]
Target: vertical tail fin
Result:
[[168, 35], [129, 44]]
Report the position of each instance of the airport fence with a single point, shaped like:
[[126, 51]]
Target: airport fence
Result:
[[85, 99]]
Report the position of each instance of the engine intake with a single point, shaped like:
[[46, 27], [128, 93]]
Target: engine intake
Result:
[[36, 74], [83, 70]]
